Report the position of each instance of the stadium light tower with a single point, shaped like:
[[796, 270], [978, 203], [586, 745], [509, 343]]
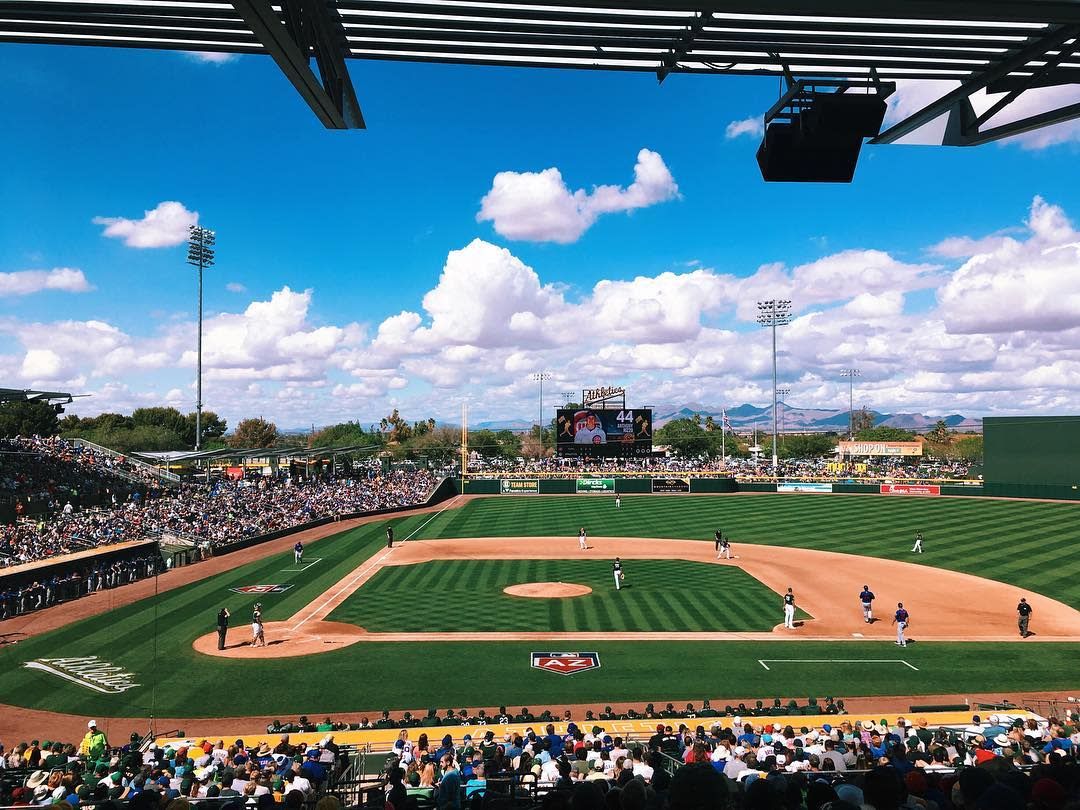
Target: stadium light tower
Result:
[[201, 256], [539, 377], [851, 374], [782, 391], [774, 313]]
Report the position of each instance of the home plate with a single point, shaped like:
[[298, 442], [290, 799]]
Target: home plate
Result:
[[858, 635]]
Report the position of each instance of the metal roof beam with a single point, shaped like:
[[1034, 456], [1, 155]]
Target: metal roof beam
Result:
[[333, 99], [1004, 67]]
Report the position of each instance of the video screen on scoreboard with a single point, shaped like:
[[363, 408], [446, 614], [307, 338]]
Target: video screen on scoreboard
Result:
[[599, 432]]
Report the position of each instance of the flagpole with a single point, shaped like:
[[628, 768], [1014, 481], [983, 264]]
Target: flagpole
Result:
[[723, 428]]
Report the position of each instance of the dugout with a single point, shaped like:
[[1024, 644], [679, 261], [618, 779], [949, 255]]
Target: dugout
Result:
[[1032, 456]]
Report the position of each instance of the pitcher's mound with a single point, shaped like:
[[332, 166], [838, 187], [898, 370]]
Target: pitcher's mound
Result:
[[548, 590]]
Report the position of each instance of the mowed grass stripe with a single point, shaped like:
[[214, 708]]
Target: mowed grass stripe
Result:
[[655, 600]]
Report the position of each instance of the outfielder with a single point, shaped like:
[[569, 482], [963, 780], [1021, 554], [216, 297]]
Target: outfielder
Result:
[[901, 619], [618, 501], [866, 598], [298, 552], [389, 536], [918, 543], [789, 610], [581, 540], [616, 570]]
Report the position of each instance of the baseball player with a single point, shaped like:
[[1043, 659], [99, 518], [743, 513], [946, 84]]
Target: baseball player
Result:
[[719, 543], [918, 543], [1023, 613], [901, 619], [866, 599], [616, 570], [257, 637], [389, 536], [582, 540], [298, 552], [789, 609], [618, 501]]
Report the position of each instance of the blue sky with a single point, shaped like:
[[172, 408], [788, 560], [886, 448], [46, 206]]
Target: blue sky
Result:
[[363, 226]]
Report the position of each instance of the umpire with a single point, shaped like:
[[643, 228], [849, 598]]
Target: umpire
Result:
[[1023, 613], [222, 627]]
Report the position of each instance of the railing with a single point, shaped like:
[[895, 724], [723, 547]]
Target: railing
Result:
[[164, 475]]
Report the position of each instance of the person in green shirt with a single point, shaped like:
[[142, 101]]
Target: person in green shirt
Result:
[[95, 743]]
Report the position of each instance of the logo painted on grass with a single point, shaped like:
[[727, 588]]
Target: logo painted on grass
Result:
[[565, 663], [262, 588], [89, 671]]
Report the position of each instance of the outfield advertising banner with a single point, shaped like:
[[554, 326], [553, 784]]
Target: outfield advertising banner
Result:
[[803, 486], [880, 448], [910, 489], [520, 487], [596, 485], [671, 485]]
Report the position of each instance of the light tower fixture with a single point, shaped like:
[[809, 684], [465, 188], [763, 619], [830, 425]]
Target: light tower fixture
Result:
[[773, 313], [851, 374], [200, 256], [539, 377]]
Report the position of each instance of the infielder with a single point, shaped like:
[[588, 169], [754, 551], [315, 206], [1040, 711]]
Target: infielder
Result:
[[918, 543], [1023, 613], [901, 619], [616, 570], [298, 552], [789, 610], [719, 543], [581, 540], [866, 599], [257, 637]]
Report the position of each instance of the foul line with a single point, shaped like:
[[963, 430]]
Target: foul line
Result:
[[349, 584], [835, 661], [306, 565]]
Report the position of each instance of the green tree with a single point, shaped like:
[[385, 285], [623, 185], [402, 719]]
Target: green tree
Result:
[[395, 428], [805, 445], [344, 434], [969, 448], [863, 419], [213, 428], [939, 434], [687, 438], [885, 434], [254, 432], [486, 443], [28, 419], [438, 445]]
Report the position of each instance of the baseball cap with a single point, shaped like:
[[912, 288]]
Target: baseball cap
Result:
[[91, 723]]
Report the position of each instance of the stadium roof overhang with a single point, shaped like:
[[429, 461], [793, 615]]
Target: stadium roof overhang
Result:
[[240, 454], [28, 395], [1005, 46]]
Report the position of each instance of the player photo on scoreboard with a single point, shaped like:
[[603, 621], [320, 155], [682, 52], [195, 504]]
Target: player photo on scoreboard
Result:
[[588, 429]]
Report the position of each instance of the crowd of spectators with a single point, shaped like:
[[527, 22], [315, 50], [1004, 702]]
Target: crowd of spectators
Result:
[[998, 764], [143, 777], [217, 513], [890, 468]]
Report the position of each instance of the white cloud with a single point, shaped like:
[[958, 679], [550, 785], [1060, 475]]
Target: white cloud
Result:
[[539, 207], [164, 226], [235, 287], [754, 127], [211, 57], [25, 282]]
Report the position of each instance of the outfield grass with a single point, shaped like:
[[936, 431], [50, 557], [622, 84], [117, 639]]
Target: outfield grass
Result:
[[665, 595], [1025, 543]]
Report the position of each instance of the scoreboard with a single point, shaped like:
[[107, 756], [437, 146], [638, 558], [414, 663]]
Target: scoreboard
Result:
[[604, 432]]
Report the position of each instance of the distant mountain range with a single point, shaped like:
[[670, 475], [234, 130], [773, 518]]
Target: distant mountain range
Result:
[[803, 420]]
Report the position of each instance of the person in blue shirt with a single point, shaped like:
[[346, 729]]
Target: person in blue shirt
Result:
[[448, 796], [1061, 742], [554, 742], [866, 599]]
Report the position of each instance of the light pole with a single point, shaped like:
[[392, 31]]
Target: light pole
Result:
[[200, 255], [774, 313], [782, 391], [539, 377], [851, 374], [568, 396]]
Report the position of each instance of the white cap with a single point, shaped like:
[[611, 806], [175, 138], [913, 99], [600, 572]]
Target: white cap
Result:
[[91, 724]]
